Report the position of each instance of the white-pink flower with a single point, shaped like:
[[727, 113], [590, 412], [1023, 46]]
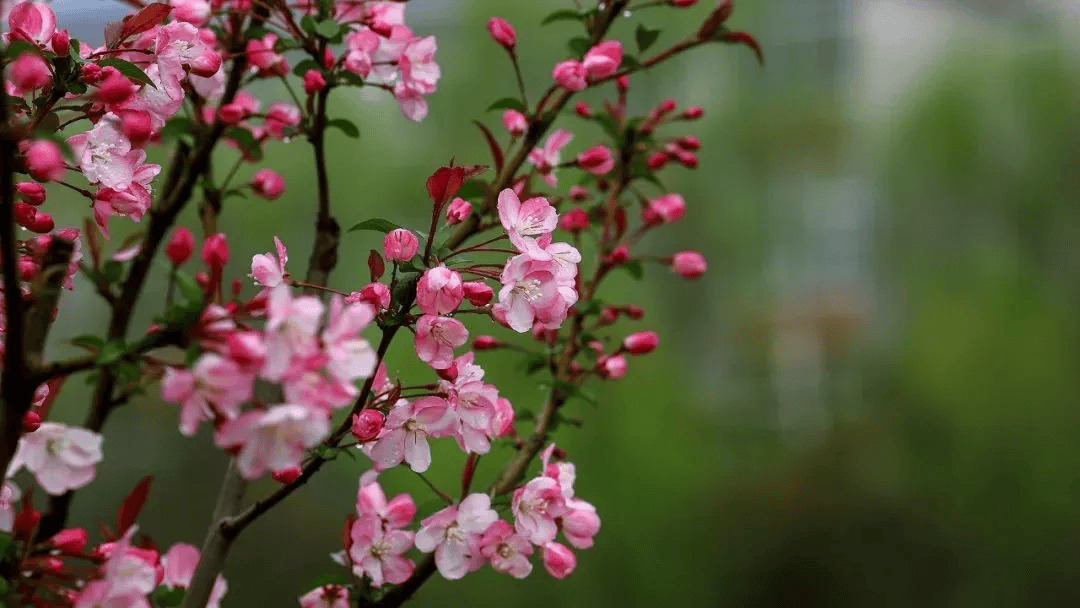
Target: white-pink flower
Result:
[[61, 458], [350, 355], [508, 552], [105, 155], [528, 224], [454, 534], [215, 385], [536, 291], [439, 291], [394, 514], [327, 596], [178, 567], [436, 339], [545, 159], [406, 431], [267, 270], [536, 505], [291, 328], [419, 71], [377, 553], [9, 495], [273, 439]]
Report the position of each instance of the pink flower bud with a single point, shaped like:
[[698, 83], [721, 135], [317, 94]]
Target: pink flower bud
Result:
[[24, 214], [26, 522], [31, 421], [613, 367], [180, 246], [623, 83], [603, 60], [689, 142], [71, 540], [232, 113], [656, 161], [367, 424], [515, 122], [689, 264], [28, 268], [61, 42], [619, 255], [313, 81], [28, 73], [574, 220], [486, 343], [583, 110], [559, 560], [608, 315], [286, 476], [682, 3], [400, 245], [597, 160], [667, 106], [635, 312], [215, 251], [502, 32], [90, 73], [478, 293], [664, 210], [137, 126], [375, 294], [439, 291], [570, 75], [268, 184], [31, 193], [579, 193], [115, 88], [457, 211], [693, 113], [42, 224], [44, 161], [641, 343]]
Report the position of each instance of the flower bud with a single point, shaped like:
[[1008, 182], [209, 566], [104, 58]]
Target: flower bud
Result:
[[693, 113], [558, 559], [619, 255], [578, 193], [608, 315], [689, 264], [574, 220], [656, 161], [664, 210], [478, 293], [115, 88], [682, 3], [515, 122], [367, 424], [137, 126], [634, 312], [570, 75], [597, 160], [180, 246], [583, 110], [29, 72], [28, 269], [32, 193], [268, 184], [375, 294], [90, 73], [31, 421], [667, 106], [71, 541], [486, 343], [26, 522], [400, 245], [286, 476], [313, 81], [623, 83], [42, 224], [641, 343], [502, 32], [24, 214], [61, 42], [689, 142], [215, 251], [457, 211], [613, 367], [44, 161]]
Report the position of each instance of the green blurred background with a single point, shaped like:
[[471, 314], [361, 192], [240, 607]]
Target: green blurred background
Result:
[[871, 399]]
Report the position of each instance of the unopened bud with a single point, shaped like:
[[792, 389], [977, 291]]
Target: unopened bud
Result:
[[286, 476], [486, 343], [367, 425], [641, 343]]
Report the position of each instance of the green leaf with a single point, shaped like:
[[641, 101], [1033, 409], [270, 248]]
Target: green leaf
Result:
[[328, 28], [88, 341], [178, 127], [635, 268], [246, 141], [308, 24], [629, 62], [130, 71], [302, 67], [645, 37], [607, 123], [533, 363], [18, 47], [565, 14], [189, 288], [330, 579], [113, 271], [346, 127], [579, 46], [351, 79], [167, 598], [508, 103], [376, 224], [572, 391], [471, 190], [191, 355], [111, 352]]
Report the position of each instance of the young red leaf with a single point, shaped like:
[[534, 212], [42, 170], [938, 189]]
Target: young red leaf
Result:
[[106, 533], [133, 504], [346, 532], [375, 265], [146, 19], [748, 40], [496, 151]]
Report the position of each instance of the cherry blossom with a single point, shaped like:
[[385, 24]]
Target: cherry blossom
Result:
[[327, 596], [61, 458], [376, 552], [508, 552], [436, 339], [546, 158], [178, 566], [536, 505], [454, 534], [215, 386], [406, 431], [273, 439], [268, 270]]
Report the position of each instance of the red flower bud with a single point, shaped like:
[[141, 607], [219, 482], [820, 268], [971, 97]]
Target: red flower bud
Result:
[[400, 245], [268, 184], [286, 476], [486, 343], [502, 32], [367, 424], [180, 246], [477, 292], [71, 540], [656, 161], [313, 81], [31, 193], [583, 110], [634, 312], [641, 343], [693, 113], [215, 251], [574, 220], [619, 255], [689, 264], [31, 421]]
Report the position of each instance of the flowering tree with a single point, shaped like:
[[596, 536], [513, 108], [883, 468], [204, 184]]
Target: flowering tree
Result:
[[288, 372]]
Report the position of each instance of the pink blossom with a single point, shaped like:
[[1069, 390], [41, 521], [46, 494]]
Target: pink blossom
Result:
[[69, 540], [29, 72], [377, 553], [454, 534], [375, 294], [327, 596], [215, 251], [570, 75], [457, 211], [33, 21], [613, 367], [371, 504], [439, 291], [178, 566], [689, 264], [195, 12], [105, 155], [536, 505], [663, 210], [559, 560], [215, 386], [291, 328], [508, 552], [360, 46], [280, 116], [419, 72], [502, 423], [536, 291], [406, 431], [262, 56], [502, 32], [436, 339], [268, 270], [313, 81], [547, 158], [527, 222], [268, 184], [131, 201], [31, 193], [400, 245], [179, 46], [515, 122], [597, 160], [44, 161], [574, 220], [349, 356], [580, 523], [273, 439], [603, 60], [61, 458], [411, 102]]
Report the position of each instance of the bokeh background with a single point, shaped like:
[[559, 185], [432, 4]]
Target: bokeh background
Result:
[[871, 399]]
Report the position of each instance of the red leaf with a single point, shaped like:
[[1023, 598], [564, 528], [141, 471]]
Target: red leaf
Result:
[[346, 532], [146, 19], [106, 533], [748, 40], [496, 151], [133, 504], [445, 182], [375, 265]]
